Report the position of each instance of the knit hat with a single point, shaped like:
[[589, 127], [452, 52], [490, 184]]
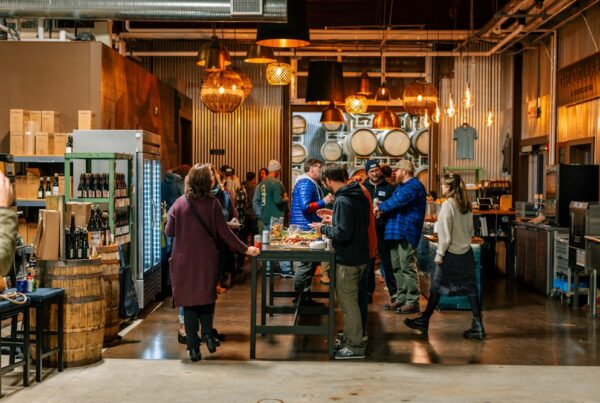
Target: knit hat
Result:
[[407, 165], [274, 165], [371, 164], [227, 170]]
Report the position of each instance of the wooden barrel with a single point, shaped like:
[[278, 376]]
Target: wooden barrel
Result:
[[299, 153], [422, 174], [84, 309], [331, 151], [110, 277], [298, 125], [393, 143], [419, 141], [361, 142]]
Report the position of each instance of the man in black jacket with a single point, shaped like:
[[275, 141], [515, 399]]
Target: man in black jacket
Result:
[[380, 190], [349, 234]]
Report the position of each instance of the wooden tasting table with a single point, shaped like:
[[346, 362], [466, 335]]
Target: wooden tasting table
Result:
[[282, 253]]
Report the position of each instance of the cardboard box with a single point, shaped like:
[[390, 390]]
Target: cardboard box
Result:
[[61, 186], [60, 143], [31, 231], [82, 213], [28, 143], [36, 118], [44, 143], [48, 235], [17, 143], [18, 117], [50, 121], [21, 187], [86, 120], [33, 182], [23, 230], [33, 127]]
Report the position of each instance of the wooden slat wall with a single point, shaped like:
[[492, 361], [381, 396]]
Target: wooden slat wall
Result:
[[536, 62]]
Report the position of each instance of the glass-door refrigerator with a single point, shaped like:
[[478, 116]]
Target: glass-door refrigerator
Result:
[[145, 252]]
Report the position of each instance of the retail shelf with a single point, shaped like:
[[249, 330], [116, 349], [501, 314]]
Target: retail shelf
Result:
[[39, 158], [92, 199], [31, 202]]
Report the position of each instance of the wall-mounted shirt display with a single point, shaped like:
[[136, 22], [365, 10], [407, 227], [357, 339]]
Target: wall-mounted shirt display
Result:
[[465, 137]]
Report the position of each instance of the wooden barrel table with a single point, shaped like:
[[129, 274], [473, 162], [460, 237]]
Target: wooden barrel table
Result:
[[111, 280], [84, 310]]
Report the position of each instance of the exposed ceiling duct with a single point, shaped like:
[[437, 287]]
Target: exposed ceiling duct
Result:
[[147, 10]]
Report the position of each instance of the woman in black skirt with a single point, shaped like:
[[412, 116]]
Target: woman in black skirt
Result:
[[455, 263]]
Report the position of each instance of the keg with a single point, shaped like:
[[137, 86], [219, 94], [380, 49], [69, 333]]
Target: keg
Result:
[[422, 174], [419, 141], [393, 143], [331, 151], [298, 125], [361, 142], [299, 153]]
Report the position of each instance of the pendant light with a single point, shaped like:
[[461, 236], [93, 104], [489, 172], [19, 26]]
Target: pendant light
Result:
[[425, 120], [420, 97], [279, 73], [213, 57], [386, 120], [468, 99], [222, 91], [364, 87], [246, 82], [356, 104], [260, 55], [489, 120], [332, 116], [325, 82], [450, 110], [293, 34], [437, 116], [383, 92]]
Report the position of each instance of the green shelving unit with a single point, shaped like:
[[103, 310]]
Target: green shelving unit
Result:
[[112, 159]]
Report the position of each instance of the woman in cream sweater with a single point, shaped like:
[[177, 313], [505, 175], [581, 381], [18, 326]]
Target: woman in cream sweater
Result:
[[455, 263]]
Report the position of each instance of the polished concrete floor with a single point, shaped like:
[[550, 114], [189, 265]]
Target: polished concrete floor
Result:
[[523, 328], [537, 350]]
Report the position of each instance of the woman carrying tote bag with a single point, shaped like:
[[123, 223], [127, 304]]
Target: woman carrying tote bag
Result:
[[197, 224]]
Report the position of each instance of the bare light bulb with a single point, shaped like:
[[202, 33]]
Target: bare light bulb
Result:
[[221, 90], [468, 98], [450, 111], [426, 122], [420, 98], [490, 118], [437, 116]]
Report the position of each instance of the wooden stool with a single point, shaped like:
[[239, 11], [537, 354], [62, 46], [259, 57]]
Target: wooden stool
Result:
[[9, 310]]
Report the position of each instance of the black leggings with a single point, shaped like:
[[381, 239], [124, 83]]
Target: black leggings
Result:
[[434, 299], [193, 316]]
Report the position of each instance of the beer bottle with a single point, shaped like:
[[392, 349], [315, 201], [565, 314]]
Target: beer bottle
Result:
[[68, 245], [78, 244], [105, 191], [55, 185], [41, 189], [86, 188], [85, 247], [48, 191], [81, 187]]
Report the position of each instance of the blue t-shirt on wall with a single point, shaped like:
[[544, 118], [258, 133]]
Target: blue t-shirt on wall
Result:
[[465, 137]]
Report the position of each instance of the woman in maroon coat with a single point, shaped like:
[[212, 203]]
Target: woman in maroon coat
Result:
[[197, 224]]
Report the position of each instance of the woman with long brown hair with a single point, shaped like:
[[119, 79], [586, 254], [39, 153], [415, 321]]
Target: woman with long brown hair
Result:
[[455, 262], [198, 226]]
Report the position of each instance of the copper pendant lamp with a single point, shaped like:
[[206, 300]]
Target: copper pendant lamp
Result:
[[420, 97], [386, 120], [364, 87], [332, 116], [293, 34], [213, 57], [260, 55]]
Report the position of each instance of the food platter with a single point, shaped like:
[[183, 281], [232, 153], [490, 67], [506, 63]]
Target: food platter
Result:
[[292, 237]]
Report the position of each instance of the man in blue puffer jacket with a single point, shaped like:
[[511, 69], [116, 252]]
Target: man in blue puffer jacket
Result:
[[307, 198]]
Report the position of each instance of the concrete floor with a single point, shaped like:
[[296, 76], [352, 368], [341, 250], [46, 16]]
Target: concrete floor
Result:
[[537, 349]]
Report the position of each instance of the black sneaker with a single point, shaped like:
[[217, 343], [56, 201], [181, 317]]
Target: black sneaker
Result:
[[347, 354], [195, 354], [419, 323]]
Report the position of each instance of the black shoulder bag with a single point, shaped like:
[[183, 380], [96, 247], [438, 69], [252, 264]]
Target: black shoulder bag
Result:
[[202, 223]]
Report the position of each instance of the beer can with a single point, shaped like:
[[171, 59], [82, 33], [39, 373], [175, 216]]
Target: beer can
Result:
[[266, 235], [376, 201], [257, 241]]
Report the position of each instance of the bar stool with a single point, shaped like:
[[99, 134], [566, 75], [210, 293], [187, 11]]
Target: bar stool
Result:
[[41, 300], [9, 310]]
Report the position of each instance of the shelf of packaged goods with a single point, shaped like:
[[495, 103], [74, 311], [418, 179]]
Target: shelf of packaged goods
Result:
[[31, 203], [39, 158], [122, 202], [122, 239]]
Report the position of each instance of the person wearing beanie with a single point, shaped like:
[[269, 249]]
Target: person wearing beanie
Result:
[[270, 201], [380, 190], [405, 214], [307, 198]]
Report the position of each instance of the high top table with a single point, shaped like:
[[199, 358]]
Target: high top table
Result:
[[278, 254]]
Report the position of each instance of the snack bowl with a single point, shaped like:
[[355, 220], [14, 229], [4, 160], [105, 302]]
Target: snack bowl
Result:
[[317, 245]]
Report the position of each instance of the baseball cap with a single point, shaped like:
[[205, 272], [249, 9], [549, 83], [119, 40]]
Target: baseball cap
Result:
[[274, 165], [371, 164]]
